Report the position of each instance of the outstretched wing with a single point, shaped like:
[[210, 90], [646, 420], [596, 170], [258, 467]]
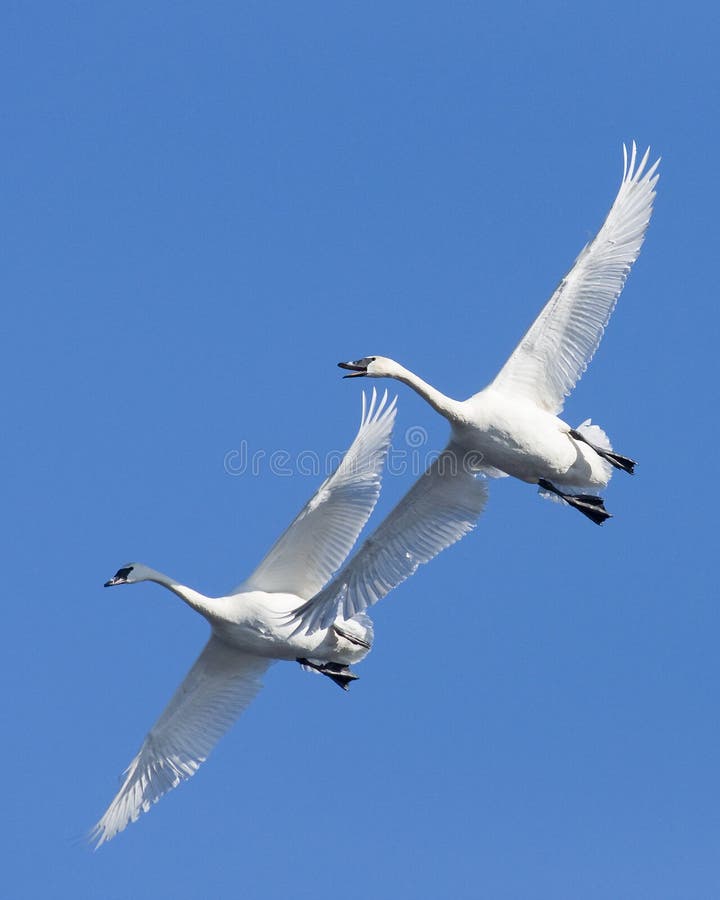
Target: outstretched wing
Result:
[[220, 685], [316, 544], [441, 507], [556, 350]]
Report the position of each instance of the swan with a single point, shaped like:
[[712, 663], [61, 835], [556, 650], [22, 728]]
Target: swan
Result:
[[287, 610], [513, 423]]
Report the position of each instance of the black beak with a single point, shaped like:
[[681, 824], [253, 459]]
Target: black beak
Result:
[[356, 369], [120, 577], [114, 580]]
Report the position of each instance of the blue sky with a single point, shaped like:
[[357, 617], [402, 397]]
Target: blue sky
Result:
[[205, 207]]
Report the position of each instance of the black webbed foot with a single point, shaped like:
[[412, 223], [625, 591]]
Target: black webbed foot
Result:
[[615, 459], [341, 674], [588, 504]]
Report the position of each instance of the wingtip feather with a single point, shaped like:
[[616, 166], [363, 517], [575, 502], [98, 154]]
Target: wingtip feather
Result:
[[378, 411], [636, 174]]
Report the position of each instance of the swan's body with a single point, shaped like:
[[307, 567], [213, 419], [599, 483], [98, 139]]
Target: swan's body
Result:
[[259, 622], [522, 440], [289, 609], [512, 426]]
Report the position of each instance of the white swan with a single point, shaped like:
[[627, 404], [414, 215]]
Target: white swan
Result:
[[282, 612], [512, 424]]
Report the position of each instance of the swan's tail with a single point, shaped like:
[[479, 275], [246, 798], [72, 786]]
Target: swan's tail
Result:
[[595, 437], [358, 629]]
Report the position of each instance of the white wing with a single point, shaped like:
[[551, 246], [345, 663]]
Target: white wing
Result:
[[215, 691], [441, 507], [556, 350], [317, 543]]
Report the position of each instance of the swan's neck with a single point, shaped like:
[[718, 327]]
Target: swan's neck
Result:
[[199, 602], [446, 406]]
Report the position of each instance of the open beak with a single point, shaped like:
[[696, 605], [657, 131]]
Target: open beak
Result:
[[120, 577], [115, 580], [357, 368]]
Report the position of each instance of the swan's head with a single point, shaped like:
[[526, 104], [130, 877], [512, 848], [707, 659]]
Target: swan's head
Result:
[[373, 366], [130, 574]]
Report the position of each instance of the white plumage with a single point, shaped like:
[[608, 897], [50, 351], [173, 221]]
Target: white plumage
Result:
[[558, 346], [512, 424], [282, 612]]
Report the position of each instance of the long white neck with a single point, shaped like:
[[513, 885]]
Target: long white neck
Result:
[[446, 406], [206, 606]]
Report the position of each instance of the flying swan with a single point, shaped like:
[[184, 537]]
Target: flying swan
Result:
[[287, 610], [513, 424]]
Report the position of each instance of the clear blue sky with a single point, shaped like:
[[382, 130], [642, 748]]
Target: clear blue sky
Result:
[[205, 207]]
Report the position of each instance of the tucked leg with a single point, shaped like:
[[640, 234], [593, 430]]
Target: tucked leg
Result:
[[588, 504], [615, 459], [341, 674]]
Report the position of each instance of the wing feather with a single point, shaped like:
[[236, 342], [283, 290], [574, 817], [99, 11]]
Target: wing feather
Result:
[[220, 685], [318, 541], [442, 506], [556, 350]]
